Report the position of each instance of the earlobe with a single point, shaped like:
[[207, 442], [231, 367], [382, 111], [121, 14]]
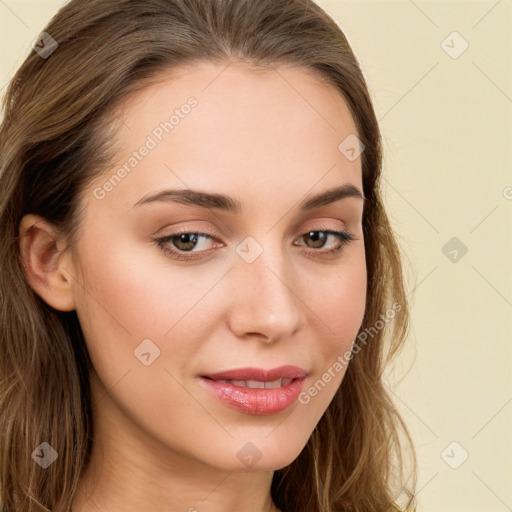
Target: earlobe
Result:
[[45, 267]]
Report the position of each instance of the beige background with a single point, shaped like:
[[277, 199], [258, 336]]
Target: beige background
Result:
[[447, 128]]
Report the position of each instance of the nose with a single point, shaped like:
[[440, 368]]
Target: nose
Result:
[[263, 301]]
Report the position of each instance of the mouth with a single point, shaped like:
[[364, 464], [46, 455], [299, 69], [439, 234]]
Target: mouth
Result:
[[259, 378], [256, 397], [255, 384]]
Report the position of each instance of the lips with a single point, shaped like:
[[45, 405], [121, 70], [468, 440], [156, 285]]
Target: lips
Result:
[[263, 402], [256, 390], [256, 384], [259, 375]]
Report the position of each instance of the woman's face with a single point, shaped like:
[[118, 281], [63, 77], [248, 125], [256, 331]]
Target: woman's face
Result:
[[254, 286]]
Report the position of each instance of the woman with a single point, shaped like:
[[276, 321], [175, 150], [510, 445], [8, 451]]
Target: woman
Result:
[[198, 273]]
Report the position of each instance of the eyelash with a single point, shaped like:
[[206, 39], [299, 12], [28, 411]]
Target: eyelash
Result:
[[344, 237]]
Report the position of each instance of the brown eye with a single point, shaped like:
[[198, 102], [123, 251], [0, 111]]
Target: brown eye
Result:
[[179, 244], [319, 237], [185, 241]]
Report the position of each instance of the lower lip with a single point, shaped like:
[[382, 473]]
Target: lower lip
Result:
[[260, 401]]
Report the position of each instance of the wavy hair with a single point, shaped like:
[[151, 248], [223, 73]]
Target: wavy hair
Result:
[[58, 111]]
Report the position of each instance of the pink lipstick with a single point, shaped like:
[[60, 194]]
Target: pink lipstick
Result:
[[255, 390]]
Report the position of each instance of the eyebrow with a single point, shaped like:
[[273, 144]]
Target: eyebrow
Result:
[[230, 204]]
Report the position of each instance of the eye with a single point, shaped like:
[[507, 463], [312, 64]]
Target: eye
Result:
[[177, 245], [318, 237]]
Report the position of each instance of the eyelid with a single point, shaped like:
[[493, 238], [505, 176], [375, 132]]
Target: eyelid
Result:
[[211, 232], [214, 233]]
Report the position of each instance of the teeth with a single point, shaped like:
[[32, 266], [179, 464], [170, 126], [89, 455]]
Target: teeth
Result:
[[239, 383], [254, 384], [276, 384], [257, 384]]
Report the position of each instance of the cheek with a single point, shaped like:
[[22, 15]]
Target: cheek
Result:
[[119, 306], [340, 310], [342, 301], [341, 307], [131, 294], [135, 292], [130, 300]]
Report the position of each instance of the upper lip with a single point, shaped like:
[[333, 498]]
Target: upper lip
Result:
[[259, 374]]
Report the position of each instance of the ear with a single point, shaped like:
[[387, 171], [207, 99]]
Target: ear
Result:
[[45, 265]]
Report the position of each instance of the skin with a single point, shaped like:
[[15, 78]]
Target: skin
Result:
[[268, 138]]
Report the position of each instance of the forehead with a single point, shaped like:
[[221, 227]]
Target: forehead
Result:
[[271, 126], [242, 84]]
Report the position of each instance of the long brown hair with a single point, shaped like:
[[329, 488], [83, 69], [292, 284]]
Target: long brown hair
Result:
[[57, 110]]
